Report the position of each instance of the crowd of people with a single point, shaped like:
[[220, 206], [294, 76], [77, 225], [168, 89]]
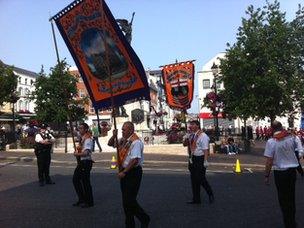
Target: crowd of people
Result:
[[263, 133]]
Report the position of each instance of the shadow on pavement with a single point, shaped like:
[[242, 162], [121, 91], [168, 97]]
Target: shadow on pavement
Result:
[[241, 201]]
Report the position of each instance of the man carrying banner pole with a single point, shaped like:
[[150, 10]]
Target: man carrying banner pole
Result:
[[130, 173], [111, 70]]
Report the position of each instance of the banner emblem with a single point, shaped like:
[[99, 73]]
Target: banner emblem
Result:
[[179, 84]]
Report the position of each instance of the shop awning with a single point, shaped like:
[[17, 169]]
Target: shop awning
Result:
[[208, 115]]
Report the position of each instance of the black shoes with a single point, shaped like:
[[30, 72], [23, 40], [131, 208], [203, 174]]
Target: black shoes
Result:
[[211, 199], [78, 204], [194, 202], [86, 205], [146, 223], [41, 184], [50, 182]]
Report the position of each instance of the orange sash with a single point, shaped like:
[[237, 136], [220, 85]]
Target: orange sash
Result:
[[124, 148], [194, 140], [279, 135]]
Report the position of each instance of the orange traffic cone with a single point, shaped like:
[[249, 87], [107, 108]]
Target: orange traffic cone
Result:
[[113, 163], [237, 166]]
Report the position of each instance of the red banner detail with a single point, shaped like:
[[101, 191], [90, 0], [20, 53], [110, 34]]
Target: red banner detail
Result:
[[208, 115], [179, 84]]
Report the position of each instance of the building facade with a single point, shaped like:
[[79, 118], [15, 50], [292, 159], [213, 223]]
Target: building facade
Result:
[[23, 108], [206, 84]]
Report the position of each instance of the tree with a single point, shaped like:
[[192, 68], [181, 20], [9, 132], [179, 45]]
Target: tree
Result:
[[8, 83], [297, 26], [258, 71], [56, 96]]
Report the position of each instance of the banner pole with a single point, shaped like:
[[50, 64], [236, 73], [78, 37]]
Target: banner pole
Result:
[[59, 65], [109, 71], [55, 42]]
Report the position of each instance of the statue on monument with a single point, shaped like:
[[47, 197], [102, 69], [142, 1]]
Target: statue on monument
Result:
[[126, 27]]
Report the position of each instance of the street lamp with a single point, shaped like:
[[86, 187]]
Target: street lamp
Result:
[[215, 71]]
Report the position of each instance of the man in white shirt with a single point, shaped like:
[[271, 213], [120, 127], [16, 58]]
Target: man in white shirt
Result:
[[44, 141], [130, 163], [198, 145], [81, 177], [280, 154]]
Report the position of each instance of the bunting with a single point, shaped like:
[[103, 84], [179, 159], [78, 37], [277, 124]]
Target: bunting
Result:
[[179, 84], [106, 61]]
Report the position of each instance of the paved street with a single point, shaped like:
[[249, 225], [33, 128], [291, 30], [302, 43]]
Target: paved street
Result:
[[241, 200]]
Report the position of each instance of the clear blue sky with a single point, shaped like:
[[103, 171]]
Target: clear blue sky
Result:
[[163, 30]]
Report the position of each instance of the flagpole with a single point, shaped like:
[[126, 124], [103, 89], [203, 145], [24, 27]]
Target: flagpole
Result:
[[109, 71], [58, 61]]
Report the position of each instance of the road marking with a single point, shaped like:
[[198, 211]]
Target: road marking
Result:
[[170, 162], [3, 164], [248, 169], [114, 171], [147, 162]]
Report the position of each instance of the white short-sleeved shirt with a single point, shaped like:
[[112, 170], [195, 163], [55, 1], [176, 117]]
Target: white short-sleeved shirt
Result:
[[38, 137], [282, 152], [202, 144], [87, 145], [135, 151]]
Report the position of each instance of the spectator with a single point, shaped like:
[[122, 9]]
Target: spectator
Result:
[[232, 148]]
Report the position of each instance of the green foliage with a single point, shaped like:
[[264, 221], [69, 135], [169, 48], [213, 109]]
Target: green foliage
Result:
[[56, 96], [297, 26], [8, 83], [260, 71]]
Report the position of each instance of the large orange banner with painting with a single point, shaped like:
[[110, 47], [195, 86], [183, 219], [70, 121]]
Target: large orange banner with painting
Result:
[[179, 84], [106, 61]]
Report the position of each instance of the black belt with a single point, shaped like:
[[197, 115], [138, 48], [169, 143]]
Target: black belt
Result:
[[137, 168]]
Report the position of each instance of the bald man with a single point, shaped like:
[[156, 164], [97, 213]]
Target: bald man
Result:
[[130, 173]]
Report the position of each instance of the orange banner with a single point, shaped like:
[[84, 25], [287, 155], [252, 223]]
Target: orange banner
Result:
[[179, 84], [105, 60]]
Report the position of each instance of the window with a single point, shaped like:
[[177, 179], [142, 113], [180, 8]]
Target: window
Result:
[[20, 91], [25, 81], [206, 84], [26, 106], [27, 92], [19, 79], [32, 81], [19, 105]]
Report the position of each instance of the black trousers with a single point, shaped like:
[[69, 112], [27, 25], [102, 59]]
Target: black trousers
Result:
[[96, 140], [43, 162], [285, 182], [82, 183], [198, 178], [129, 186]]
